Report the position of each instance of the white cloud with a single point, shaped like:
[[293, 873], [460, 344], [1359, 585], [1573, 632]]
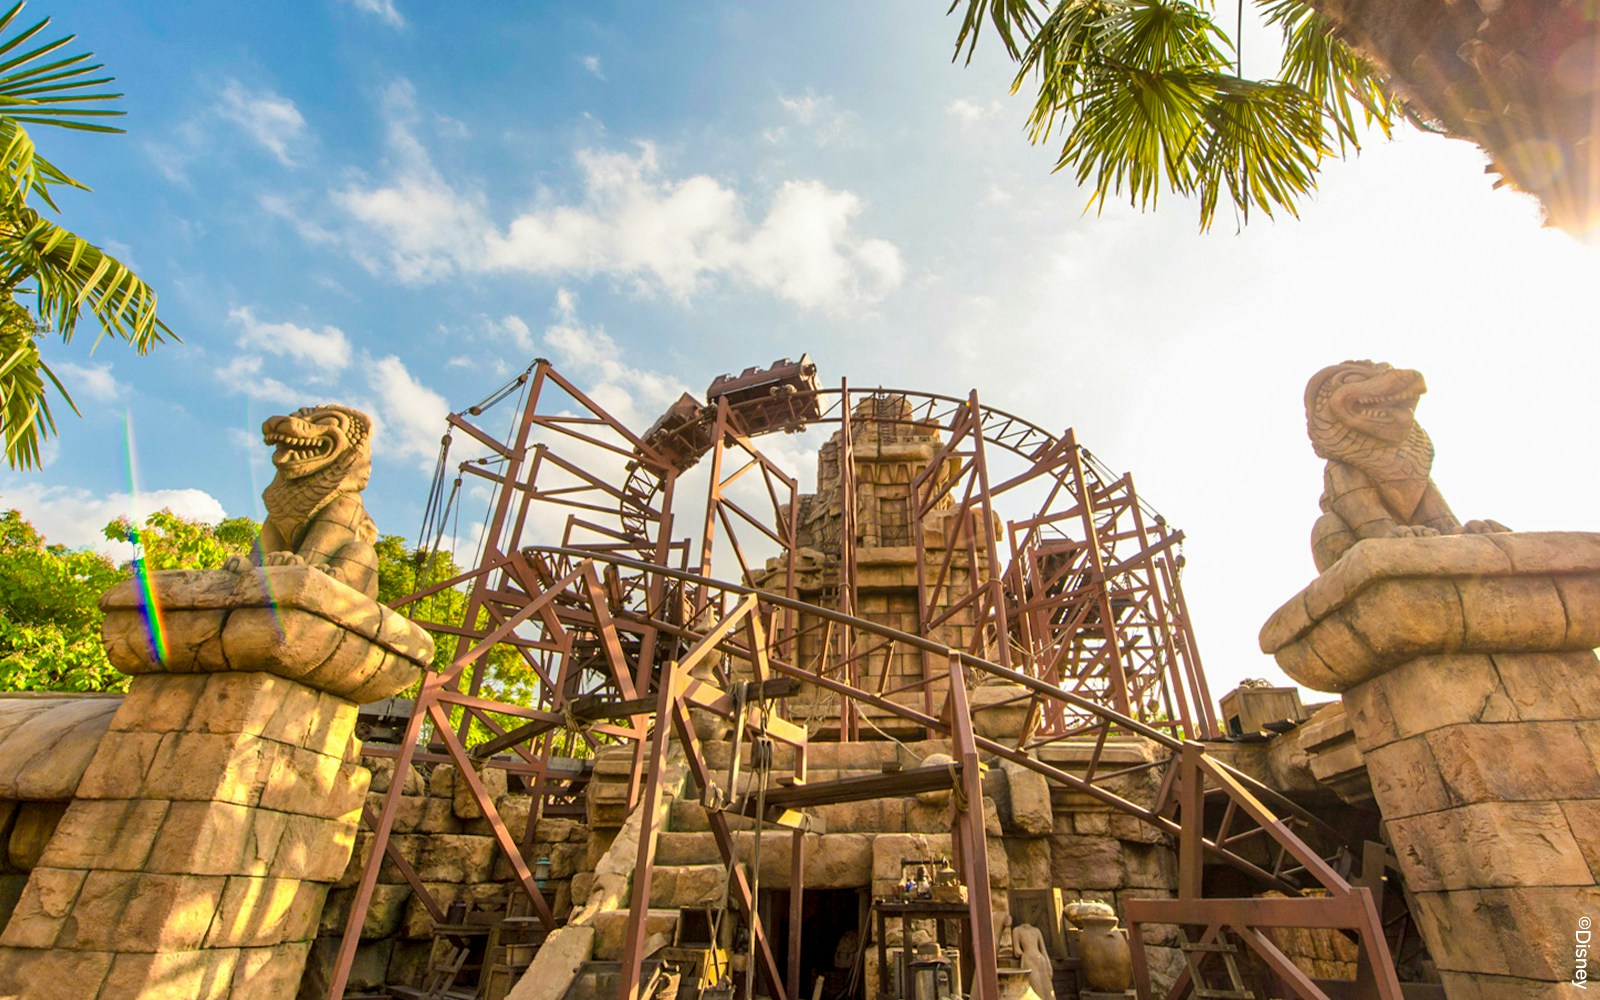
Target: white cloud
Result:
[[428, 227], [592, 64], [805, 110], [169, 160], [632, 223], [411, 416], [324, 352], [270, 119], [76, 517], [970, 112], [243, 375], [512, 329], [383, 10], [804, 253], [817, 117], [633, 395], [94, 381]]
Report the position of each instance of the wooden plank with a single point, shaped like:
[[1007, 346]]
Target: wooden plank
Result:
[[897, 784]]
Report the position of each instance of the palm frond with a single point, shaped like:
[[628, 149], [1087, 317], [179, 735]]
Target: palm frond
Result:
[[25, 418], [1330, 72], [71, 274], [1130, 81], [1013, 20], [23, 170], [41, 92], [1262, 142], [38, 86]]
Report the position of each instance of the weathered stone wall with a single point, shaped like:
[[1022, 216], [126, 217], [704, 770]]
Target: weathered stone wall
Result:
[[46, 742], [223, 799], [441, 833], [889, 452], [1040, 837], [1098, 853], [1468, 675]]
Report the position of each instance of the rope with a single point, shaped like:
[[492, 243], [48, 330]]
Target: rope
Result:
[[957, 792], [761, 772]]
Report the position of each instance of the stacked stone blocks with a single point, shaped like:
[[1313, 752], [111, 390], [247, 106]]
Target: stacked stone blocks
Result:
[[223, 800], [1468, 675], [442, 834]]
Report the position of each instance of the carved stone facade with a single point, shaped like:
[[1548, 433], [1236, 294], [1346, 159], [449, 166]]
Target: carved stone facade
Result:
[[1468, 674], [889, 452], [223, 800]]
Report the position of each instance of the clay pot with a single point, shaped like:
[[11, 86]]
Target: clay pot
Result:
[[1014, 985], [1103, 949]]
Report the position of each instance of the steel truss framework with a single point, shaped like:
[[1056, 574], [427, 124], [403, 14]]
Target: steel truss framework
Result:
[[1085, 618]]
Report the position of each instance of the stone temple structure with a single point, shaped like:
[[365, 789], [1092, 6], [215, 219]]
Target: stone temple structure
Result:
[[939, 720]]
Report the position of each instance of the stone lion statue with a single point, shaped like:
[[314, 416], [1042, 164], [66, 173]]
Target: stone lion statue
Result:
[[315, 516], [1361, 418]]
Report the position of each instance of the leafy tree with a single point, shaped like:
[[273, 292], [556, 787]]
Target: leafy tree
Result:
[[49, 616], [38, 86], [1147, 95], [169, 541]]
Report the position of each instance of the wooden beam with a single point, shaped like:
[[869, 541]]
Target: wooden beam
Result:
[[897, 784]]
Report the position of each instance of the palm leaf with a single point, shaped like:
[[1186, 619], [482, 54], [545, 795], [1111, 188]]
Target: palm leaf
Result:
[[70, 274], [1262, 142], [23, 170], [1130, 81], [1145, 94], [25, 418], [1012, 20], [49, 93], [1330, 72]]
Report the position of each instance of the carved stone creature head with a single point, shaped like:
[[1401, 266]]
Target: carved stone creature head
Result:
[[1370, 398], [317, 438]]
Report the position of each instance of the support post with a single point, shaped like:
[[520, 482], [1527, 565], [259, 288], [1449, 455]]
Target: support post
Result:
[[968, 832]]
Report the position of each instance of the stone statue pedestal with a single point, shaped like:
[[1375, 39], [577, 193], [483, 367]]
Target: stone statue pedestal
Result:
[[225, 797], [1468, 672]]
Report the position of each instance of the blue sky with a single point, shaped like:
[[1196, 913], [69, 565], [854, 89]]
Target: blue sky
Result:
[[395, 204]]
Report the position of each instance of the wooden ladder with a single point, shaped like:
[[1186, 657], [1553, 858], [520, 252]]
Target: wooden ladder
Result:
[[1195, 955]]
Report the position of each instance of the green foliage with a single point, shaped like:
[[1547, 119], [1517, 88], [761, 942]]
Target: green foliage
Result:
[[403, 571], [49, 618], [38, 87], [173, 542], [49, 596], [23, 399], [1148, 98]]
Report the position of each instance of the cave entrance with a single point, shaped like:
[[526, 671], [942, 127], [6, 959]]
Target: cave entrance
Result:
[[827, 916]]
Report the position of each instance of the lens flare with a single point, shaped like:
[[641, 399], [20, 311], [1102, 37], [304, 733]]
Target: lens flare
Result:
[[155, 631]]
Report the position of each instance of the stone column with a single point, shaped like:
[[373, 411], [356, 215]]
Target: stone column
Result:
[[1468, 672], [224, 799]]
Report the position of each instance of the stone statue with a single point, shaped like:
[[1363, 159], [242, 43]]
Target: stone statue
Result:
[[1360, 415], [1035, 958], [315, 516]]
